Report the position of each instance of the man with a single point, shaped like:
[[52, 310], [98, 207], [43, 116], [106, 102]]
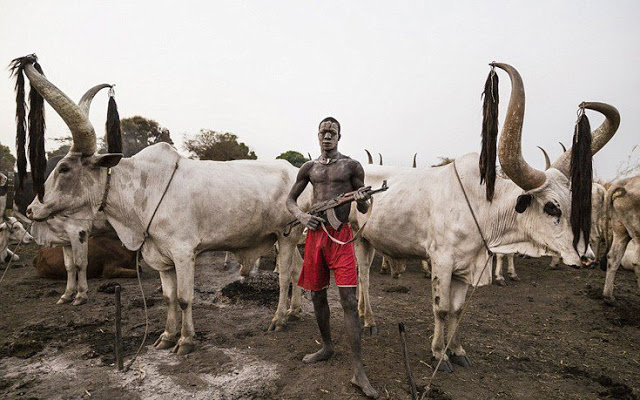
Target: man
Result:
[[331, 174]]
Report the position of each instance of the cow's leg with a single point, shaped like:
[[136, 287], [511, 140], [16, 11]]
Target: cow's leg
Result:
[[498, 272], [80, 250], [458, 296], [384, 266], [397, 267], [511, 268], [185, 271], [426, 268], [289, 264], [364, 256], [441, 294], [227, 260], [69, 292], [555, 262], [170, 293], [295, 307], [614, 258]]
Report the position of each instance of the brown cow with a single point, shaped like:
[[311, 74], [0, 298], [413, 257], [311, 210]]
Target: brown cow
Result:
[[108, 258]]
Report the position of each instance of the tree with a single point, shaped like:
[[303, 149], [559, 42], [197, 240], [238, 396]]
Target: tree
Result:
[[139, 132], [296, 159], [7, 160], [212, 145], [63, 148]]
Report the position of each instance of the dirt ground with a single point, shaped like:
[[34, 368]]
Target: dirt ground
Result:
[[548, 336]]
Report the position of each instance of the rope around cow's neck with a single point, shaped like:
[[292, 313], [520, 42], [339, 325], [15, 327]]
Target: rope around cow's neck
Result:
[[15, 251], [468, 300]]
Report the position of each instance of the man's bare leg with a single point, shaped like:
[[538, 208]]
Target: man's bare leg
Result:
[[321, 309], [352, 325]]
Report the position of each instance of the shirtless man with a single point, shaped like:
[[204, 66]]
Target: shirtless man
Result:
[[331, 174]]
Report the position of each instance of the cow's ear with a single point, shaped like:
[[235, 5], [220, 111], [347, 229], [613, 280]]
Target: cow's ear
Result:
[[523, 202], [107, 160]]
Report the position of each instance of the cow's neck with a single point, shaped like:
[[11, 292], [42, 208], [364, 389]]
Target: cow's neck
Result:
[[125, 207], [509, 232]]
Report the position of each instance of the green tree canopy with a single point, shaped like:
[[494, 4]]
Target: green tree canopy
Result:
[[295, 158], [7, 160], [218, 146], [139, 132]]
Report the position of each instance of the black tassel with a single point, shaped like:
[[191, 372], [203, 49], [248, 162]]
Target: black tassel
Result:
[[581, 180], [37, 155], [489, 133], [114, 133], [16, 66]]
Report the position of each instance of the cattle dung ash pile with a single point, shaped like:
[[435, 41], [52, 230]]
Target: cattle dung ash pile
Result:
[[261, 288]]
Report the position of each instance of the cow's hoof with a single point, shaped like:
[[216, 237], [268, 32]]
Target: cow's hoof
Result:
[[183, 349], [79, 301], [64, 300], [445, 366], [384, 272], [427, 276], [501, 282], [462, 361], [370, 330], [395, 276], [515, 278], [610, 301], [293, 317], [162, 344], [276, 327]]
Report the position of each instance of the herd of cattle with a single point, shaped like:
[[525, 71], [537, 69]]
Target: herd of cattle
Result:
[[94, 204]]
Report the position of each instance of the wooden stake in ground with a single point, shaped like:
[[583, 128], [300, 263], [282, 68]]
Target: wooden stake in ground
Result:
[[412, 384], [118, 346]]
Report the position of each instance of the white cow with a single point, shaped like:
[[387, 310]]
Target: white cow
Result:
[[424, 214], [623, 217], [12, 231], [73, 231], [173, 208]]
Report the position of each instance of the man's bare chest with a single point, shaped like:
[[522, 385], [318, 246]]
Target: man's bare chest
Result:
[[331, 174]]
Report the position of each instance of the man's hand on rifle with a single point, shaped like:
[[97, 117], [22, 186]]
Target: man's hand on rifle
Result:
[[361, 201], [361, 196], [310, 221]]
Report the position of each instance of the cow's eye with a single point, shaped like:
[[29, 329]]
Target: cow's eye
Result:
[[552, 209], [64, 168]]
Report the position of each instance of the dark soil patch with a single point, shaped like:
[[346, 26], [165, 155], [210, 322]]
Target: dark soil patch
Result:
[[261, 288]]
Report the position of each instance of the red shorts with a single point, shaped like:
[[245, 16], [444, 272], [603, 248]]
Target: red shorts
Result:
[[322, 255]]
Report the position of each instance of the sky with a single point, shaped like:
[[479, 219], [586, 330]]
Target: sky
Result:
[[401, 77]]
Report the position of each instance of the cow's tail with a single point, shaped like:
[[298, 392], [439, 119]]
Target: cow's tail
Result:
[[114, 132], [36, 126], [616, 190], [487, 163]]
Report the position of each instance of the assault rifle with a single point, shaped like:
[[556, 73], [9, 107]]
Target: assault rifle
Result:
[[327, 207]]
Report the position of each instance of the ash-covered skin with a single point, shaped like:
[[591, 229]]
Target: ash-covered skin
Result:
[[332, 174]]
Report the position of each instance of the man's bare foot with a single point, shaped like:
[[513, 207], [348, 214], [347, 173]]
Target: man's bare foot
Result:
[[361, 381], [321, 355]]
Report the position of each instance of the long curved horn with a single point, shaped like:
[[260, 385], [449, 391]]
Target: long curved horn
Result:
[[85, 101], [510, 148], [564, 148], [414, 160], [84, 136], [599, 137], [369, 157], [380, 155], [547, 161]]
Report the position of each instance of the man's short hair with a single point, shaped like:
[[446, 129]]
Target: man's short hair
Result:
[[329, 124]]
